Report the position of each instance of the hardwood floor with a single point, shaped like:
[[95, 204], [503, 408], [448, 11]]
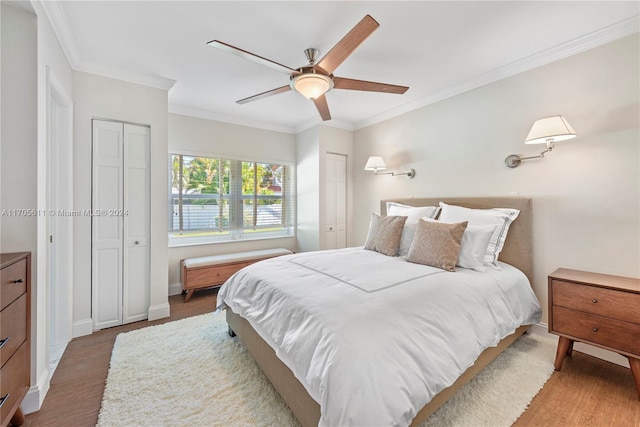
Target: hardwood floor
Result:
[[77, 385], [587, 392]]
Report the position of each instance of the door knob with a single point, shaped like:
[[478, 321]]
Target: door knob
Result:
[[137, 242]]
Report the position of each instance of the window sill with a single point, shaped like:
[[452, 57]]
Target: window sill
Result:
[[219, 242]]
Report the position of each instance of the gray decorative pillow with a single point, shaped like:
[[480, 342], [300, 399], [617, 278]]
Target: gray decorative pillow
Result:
[[437, 244], [384, 234]]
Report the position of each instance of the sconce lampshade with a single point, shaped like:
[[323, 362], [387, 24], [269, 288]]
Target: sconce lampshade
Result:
[[375, 163], [555, 128], [311, 85]]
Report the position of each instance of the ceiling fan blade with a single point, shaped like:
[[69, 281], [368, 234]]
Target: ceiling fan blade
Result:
[[348, 44], [353, 84], [265, 94], [252, 57], [323, 107]]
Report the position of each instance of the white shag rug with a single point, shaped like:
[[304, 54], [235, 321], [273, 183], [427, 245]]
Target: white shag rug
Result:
[[191, 373]]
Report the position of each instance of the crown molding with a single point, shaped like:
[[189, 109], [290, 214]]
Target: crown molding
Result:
[[204, 114], [316, 122], [591, 40], [143, 79], [208, 115], [54, 13]]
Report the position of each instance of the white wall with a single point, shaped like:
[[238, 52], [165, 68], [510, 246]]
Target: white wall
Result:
[[197, 136], [586, 193], [308, 189], [18, 165], [106, 98], [18, 158]]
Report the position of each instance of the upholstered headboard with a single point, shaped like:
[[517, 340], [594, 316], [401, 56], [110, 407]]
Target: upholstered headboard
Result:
[[518, 248]]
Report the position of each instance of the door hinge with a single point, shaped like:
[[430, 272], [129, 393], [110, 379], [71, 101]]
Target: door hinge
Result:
[[50, 239]]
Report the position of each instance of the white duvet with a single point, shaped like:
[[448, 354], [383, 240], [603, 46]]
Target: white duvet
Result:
[[371, 337]]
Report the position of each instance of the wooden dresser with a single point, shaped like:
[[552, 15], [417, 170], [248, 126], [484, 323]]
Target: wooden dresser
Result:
[[15, 327], [596, 309]]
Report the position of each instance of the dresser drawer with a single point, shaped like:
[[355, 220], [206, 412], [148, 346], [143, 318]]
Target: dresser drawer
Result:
[[14, 381], [13, 328], [13, 282], [592, 299], [618, 335]]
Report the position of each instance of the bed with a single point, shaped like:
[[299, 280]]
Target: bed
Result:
[[354, 360]]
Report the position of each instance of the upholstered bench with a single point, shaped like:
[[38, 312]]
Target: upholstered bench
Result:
[[208, 271]]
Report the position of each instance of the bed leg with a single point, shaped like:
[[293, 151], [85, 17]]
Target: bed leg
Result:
[[231, 333]]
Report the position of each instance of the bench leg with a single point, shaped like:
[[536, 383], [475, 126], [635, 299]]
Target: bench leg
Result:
[[189, 294]]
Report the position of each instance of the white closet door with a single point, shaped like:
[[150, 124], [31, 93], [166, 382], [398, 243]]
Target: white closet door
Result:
[[106, 230], [136, 223], [336, 201], [120, 223]]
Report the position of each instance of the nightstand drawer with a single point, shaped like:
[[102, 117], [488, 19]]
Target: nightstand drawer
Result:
[[618, 335], [623, 306]]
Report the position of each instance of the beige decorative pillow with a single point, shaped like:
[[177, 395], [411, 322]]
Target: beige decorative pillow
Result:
[[437, 244], [385, 233]]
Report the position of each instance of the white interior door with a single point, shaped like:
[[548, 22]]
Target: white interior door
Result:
[[136, 223], [336, 201], [106, 230], [59, 224]]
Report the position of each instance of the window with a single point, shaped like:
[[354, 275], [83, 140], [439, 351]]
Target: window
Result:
[[221, 199]]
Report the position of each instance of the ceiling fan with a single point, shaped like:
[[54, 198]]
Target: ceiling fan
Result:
[[314, 80]]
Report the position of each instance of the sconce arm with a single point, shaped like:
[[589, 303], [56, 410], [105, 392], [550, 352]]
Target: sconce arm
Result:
[[514, 160], [410, 173]]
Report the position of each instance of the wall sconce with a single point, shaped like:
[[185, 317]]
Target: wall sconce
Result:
[[376, 164], [547, 130]]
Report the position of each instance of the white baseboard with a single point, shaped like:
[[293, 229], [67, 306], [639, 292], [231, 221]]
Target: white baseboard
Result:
[[175, 289], [82, 328], [32, 402], [543, 330], [159, 311]]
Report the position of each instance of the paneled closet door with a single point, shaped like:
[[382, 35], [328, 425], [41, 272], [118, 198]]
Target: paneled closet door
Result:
[[106, 230], [136, 223], [336, 201], [120, 224]]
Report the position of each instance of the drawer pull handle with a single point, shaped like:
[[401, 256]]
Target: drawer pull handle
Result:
[[595, 301], [595, 329], [18, 281], [4, 341], [4, 399]]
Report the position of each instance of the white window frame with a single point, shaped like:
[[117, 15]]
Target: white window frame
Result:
[[236, 231]]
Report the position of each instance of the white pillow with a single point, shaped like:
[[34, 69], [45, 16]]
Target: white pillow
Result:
[[413, 213], [408, 233], [473, 246], [499, 217]]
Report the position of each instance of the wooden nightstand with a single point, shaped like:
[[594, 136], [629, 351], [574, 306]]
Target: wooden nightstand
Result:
[[596, 309]]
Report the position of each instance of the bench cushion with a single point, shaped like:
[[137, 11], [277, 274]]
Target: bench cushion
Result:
[[234, 257]]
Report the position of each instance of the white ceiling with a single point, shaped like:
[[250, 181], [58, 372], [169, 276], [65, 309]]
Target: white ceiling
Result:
[[436, 48]]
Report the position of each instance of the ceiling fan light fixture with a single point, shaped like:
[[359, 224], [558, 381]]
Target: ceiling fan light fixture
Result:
[[312, 85]]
